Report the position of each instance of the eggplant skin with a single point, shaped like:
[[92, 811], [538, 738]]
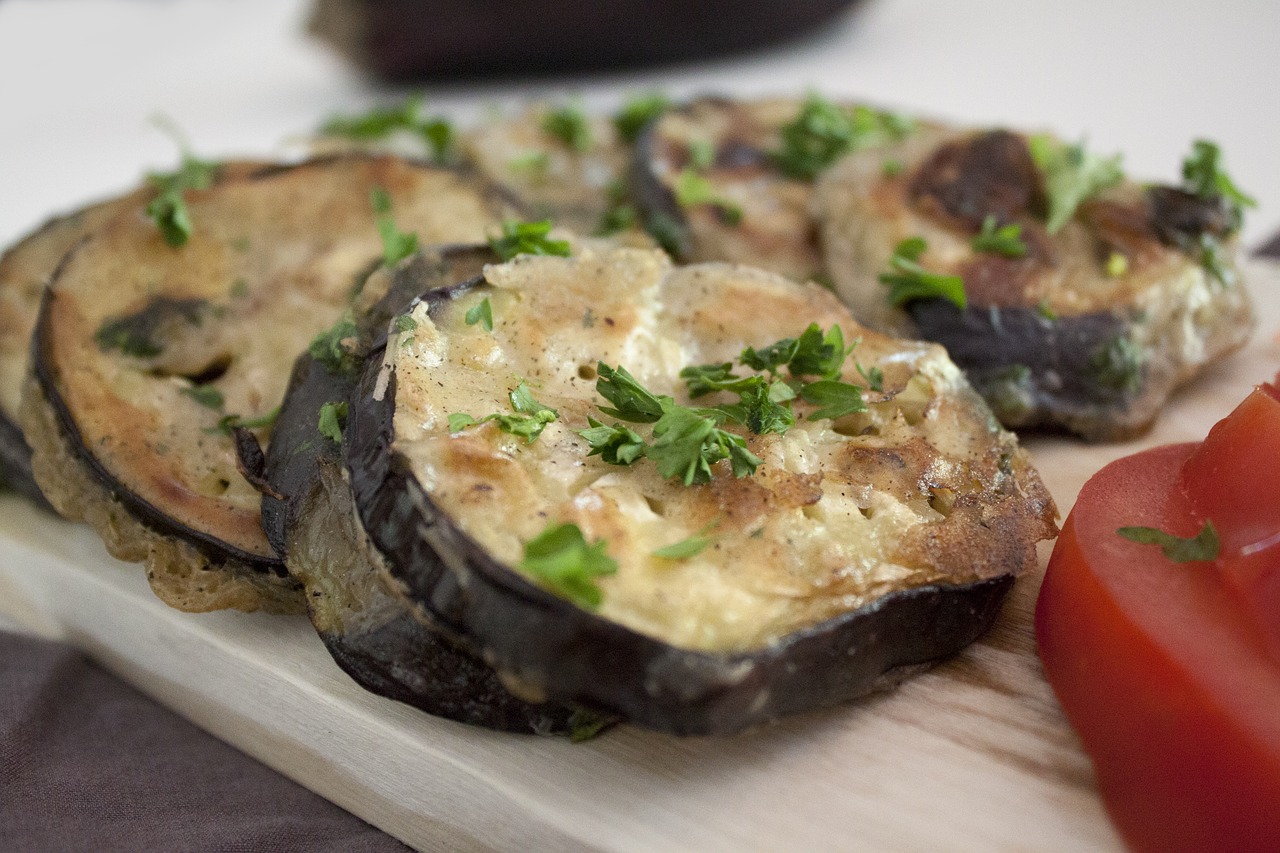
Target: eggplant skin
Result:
[[545, 647], [376, 635]]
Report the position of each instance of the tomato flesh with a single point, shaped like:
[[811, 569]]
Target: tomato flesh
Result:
[[1232, 479], [1159, 670]]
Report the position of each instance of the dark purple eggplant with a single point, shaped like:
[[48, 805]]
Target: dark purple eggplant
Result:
[[1088, 327], [147, 356], [983, 518], [373, 631]]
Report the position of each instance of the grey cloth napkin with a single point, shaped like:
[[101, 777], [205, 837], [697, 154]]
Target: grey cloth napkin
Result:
[[88, 763]]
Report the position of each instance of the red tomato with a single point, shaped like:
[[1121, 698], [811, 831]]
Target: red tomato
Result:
[[1166, 679]]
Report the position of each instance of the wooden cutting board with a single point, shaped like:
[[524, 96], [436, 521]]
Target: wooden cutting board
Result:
[[973, 755]]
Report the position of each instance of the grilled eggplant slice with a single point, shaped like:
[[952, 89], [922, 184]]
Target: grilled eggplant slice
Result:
[[561, 163], [1090, 328], [382, 639], [25, 268], [146, 355], [860, 549], [714, 182]]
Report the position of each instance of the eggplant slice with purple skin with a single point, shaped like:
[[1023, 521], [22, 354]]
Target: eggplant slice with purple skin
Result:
[[716, 180], [1088, 328], [861, 549], [25, 269], [378, 636], [145, 356]]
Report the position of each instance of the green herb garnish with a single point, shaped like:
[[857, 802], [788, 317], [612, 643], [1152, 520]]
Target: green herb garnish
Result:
[[1203, 175], [824, 132], [909, 281], [169, 208], [690, 546], [533, 163], [228, 422], [637, 112], [527, 238], [122, 334], [702, 154], [333, 347], [616, 445], [1003, 240], [569, 124], [1071, 175], [873, 375], [1211, 258], [561, 561], [396, 245], [205, 395], [482, 313], [404, 323], [1117, 265], [834, 399], [692, 189], [382, 122], [530, 417], [1117, 364], [333, 418], [585, 725], [1201, 547]]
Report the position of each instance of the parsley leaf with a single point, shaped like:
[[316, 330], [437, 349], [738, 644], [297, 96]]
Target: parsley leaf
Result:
[[834, 399], [1211, 258], [530, 417], [632, 401], [381, 122], [760, 406], [909, 281], [620, 214], [569, 125], [819, 354], [1004, 240], [169, 208], [396, 245], [690, 546], [205, 395], [637, 112], [562, 562], [404, 323], [334, 347], [1116, 364], [482, 313], [227, 422], [527, 238], [704, 379], [585, 725], [1203, 175], [874, 377], [617, 445], [688, 442], [823, 132], [1203, 546], [1071, 175], [532, 163], [692, 189], [333, 417]]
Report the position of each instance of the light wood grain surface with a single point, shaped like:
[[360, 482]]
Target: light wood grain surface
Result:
[[973, 755]]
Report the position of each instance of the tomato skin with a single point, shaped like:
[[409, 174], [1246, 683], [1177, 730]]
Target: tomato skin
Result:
[[1174, 697]]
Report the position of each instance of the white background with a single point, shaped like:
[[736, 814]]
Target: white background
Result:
[[80, 81]]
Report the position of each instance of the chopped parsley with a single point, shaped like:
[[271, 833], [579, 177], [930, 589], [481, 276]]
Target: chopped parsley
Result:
[[334, 347], [527, 238], [530, 417], [702, 154], [616, 445], [569, 124], [823, 132], [874, 377], [333, 418], [834, 399], [404, 323], [1211, 258], [909, 281], [123, 334], [169, 208], [690, 546], [1117, 364], [562, 562], [381, 122], [482, 313], [1203, 546], [1117, 265], [229, 422], [1203, 176], [533, 163], [1003, 240], [692, 189], [637, 112], [396, 245], [1071, 175], [205, 395], [585, 725]]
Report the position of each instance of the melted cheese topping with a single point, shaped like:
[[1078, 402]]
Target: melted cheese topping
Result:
[[839, 513]]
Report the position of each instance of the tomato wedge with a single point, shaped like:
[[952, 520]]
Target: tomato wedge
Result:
[[1168, 670]]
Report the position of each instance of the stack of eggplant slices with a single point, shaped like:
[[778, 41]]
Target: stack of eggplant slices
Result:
[[692, 416]]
